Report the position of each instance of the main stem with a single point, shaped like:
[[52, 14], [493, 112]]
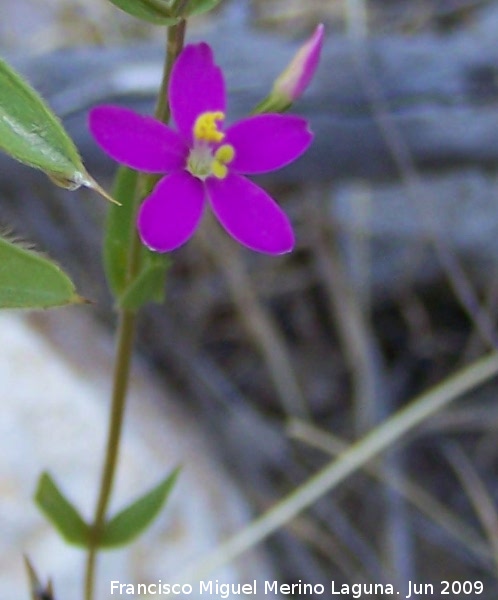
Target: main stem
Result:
[[125, 337]]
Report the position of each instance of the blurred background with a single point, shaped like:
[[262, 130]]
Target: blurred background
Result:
[[275, 363]]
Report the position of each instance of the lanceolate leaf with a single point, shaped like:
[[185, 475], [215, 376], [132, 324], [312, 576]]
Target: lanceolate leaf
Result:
[[131, 521], [32, 134], [60, 512], [29, 280], [148, 285], [119, 230]]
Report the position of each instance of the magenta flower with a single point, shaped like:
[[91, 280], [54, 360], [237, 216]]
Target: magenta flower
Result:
[[203, 160]]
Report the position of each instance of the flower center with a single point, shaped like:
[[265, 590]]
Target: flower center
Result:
[[205, 159]]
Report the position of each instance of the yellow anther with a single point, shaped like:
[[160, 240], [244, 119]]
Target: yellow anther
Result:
[[219, 170], [206, 127], [225, 154]]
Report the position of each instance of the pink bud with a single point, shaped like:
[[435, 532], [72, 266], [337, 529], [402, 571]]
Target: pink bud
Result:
[[297, 76]]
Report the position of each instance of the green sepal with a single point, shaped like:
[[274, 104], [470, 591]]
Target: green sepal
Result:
[[157, 12], [273, 103], [30, 280], [61, 513], [149, 285], [32, 134], [134, 519]]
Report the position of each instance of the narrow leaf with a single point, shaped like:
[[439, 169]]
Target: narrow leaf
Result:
[[130, 522], [154, 11], [29, 280], [119, 230], [148, 285], [60, 512]]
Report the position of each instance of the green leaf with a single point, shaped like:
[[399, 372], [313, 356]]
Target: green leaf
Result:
[[29, 280], [197, 7], [60, 512], [130, 522], [148, 285], [120, 230], [164, 12], [32, 134], [153, 11]]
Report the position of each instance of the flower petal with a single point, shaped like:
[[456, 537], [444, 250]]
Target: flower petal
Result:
[[197, 85], [137, 141], [267, 142], [250, 215], [170, 215]]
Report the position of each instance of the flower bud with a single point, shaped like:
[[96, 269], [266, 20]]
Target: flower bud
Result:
[[297, 76], [292, 82]]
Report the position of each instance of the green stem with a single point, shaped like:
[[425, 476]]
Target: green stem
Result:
[[120, 387], [174, 45], [125, 337]]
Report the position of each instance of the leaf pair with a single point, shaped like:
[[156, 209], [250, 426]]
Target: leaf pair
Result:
[[118, 531]]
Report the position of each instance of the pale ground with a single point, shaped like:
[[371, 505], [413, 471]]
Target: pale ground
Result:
[[53, 416]]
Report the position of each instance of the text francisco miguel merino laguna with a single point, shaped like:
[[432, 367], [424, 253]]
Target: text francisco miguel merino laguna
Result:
[[227, 590]]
